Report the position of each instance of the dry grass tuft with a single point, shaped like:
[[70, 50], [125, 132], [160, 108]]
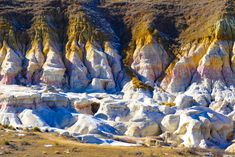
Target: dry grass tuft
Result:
[[36, 129], [169, 104]]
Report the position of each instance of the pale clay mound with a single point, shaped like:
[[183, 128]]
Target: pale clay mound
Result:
[[94, 71]]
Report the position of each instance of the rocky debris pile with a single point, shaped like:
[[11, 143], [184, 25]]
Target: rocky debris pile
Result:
[[96, 116]]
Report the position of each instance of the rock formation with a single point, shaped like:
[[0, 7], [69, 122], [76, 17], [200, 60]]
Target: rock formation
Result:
[[106, 70]]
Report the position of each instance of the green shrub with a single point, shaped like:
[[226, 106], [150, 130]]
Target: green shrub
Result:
[[36, 129], [5, 142]]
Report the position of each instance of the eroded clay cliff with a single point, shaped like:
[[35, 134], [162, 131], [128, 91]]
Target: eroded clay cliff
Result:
[[135, 68]]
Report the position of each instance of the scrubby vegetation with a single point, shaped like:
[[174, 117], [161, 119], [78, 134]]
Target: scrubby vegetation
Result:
[[33, 145], [169, 104], [36, 129], [6, 142]]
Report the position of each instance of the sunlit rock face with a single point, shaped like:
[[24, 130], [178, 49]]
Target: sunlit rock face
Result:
[[114, 61], [53, 69], [149, 59], [99, 69], [211, 59], [77, 71], [112, 69], [211, 62], [77, 54], [36, 60], [10, 66]]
